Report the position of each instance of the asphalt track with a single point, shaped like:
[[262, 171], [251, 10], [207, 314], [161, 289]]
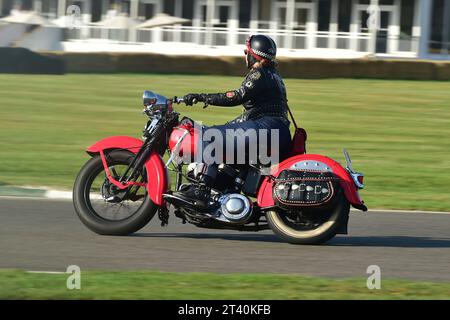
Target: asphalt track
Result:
[[46, 235]]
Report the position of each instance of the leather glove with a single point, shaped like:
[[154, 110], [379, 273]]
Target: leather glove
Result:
[[190, 97]]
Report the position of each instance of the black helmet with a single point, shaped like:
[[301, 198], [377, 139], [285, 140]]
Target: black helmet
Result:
[[261, 47]]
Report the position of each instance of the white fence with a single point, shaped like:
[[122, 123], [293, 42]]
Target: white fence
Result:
[[293, 40]]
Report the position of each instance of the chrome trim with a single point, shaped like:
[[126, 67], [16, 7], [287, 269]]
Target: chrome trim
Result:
[[234, 206], [177, 146], [151, 127], [311, 165], [355, 176], [352, 172], [224, 214], [348, 160], [194, 169], [150, 98]]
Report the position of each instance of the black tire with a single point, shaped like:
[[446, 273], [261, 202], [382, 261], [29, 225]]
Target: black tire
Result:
[[90, 218], [338, 215]]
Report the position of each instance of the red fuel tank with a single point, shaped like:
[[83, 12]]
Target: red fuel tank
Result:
[[188, 146]]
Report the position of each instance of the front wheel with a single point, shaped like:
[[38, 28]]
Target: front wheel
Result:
[[102, 207], [312, 225]]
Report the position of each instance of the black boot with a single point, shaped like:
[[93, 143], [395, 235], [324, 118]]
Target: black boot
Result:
[[197, 194]]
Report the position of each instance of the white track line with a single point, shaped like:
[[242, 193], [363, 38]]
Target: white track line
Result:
[[33, 198], [398, 211], [47, 272], [55, 194]]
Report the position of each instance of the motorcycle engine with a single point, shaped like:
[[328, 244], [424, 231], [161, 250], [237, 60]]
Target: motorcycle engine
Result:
[[234, 208], [224, 182], [194, 170]]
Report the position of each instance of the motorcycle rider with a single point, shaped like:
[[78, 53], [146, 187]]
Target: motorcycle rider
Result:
[[263, 95]]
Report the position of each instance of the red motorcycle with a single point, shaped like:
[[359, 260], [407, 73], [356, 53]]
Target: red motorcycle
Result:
[[305, 199]]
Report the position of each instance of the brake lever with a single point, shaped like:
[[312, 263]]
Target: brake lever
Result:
[[177, 100]]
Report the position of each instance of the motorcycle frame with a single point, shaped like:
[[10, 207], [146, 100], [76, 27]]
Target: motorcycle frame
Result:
[[158, 178], [157, 184]]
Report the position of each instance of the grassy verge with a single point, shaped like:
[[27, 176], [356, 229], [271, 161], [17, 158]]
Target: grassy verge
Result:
[[158, 285], [396, 131]]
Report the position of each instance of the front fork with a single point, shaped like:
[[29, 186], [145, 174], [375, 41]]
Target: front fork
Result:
[[133, 171], [121, 185]]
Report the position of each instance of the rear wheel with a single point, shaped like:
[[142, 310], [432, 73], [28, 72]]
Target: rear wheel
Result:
[[312, 225], [99, 203]]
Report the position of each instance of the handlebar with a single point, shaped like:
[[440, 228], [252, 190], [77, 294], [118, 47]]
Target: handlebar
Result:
[[181, 100]]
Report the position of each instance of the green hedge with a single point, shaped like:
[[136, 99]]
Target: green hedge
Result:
[[289, 67], [21, 60]]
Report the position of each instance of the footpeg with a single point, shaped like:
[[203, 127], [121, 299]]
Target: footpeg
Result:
[[113, 199]]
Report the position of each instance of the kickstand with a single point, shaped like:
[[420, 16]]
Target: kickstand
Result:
[[163, 215]]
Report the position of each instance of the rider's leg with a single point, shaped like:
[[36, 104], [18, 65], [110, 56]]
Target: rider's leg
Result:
[[210, 171], [200, 193]]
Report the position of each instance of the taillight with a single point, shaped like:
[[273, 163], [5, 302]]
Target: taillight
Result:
[[361, 179], [358, 179]]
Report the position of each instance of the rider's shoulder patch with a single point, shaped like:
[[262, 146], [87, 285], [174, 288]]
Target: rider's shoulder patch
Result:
[[255, 75], [230, 94]]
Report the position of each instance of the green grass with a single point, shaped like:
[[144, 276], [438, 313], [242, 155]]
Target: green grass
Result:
[[397, 132], [161, 285]]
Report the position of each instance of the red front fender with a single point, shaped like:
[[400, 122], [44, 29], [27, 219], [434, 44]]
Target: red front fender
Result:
[[265, 199], [116, 142], [157, 177]]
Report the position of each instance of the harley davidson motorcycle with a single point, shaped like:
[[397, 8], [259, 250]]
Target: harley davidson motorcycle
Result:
[[305, 198]]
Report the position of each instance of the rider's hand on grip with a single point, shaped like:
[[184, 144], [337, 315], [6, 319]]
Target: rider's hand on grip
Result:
[[191, 99]]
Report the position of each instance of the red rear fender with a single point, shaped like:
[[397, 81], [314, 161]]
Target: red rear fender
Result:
[[265, 198]]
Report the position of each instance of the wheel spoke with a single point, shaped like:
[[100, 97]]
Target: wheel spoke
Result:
[[101, 189], [114, 172]]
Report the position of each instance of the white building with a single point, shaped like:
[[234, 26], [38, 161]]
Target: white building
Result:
[[330, 28]]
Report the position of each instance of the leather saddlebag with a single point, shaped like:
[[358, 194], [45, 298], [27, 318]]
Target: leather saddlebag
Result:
[[299, 188]]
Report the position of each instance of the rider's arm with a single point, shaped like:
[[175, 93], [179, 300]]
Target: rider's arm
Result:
[[252, 86]]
